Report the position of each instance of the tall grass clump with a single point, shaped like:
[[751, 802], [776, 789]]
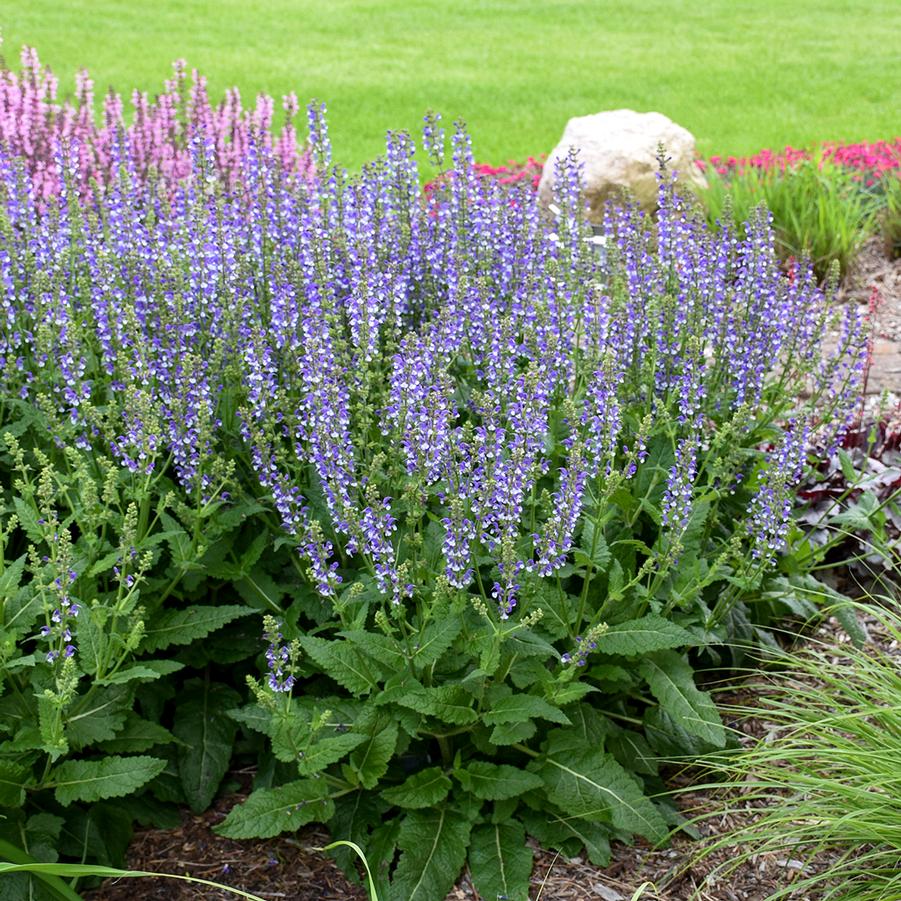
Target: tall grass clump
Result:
[[427, 507], [823, 784], [820, 210], [890, 215]]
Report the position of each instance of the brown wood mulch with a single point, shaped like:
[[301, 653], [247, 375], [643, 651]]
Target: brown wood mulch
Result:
[[291, 868]]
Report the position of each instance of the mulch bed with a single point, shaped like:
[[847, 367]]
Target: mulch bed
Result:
[[291, 868], [872, 271]]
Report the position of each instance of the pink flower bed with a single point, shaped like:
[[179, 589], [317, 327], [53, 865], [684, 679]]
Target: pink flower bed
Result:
[[514, 172], [873, 160], [870, 159]]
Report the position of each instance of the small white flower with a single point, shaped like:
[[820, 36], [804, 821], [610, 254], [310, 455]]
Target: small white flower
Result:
[[554, 209]]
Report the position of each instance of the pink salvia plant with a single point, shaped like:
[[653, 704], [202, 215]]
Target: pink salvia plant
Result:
[[38, 128]]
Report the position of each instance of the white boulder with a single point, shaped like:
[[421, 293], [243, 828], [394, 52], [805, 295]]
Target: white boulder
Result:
[[618, 149]]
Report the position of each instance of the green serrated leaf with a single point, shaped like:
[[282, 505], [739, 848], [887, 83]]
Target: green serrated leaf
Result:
[[651, 475], [109, 777], [135, 736], [208, 733], [10, 579], [594, 548], [632, 750], [451, 703], [589, 729], [848, 471], [260, 590], [254, 717], [270, 811], [496, 781], [858, 517], [851, 623], [108, 561], [98, 715], [356, 817], [643, 636], [381, 849], [518, 708], [12, 784], [342, 661], [489, 652], [385, 650], [593, 785], [180, 627], [615, 579], [19, 611], [530, 671], [28, 519], [512, 733], [145, 671], [370, 760], [433, 845], [525, 643], [92, 639], [234, 514], [500, 861], [569, 834], [100, 832], [669, 737], [422, 789], [671, 681], [436, 639], [567, 692], [326, 751], [42, 831]]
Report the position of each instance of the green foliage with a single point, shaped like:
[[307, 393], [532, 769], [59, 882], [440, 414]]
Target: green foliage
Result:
[[433, 847], [180, 627], [589, 785], [268, 811], [423, 789], [638, 637], [207, 734], [111, 558], [671, 681], [500, 862], [109, 777]]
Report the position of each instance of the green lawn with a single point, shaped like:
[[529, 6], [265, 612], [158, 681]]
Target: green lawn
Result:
[[740, 76]]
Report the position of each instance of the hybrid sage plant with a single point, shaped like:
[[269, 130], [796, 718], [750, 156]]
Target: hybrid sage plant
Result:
[[490, 483]]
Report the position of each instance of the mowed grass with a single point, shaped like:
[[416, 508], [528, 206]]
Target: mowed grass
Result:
[[739, 76]]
